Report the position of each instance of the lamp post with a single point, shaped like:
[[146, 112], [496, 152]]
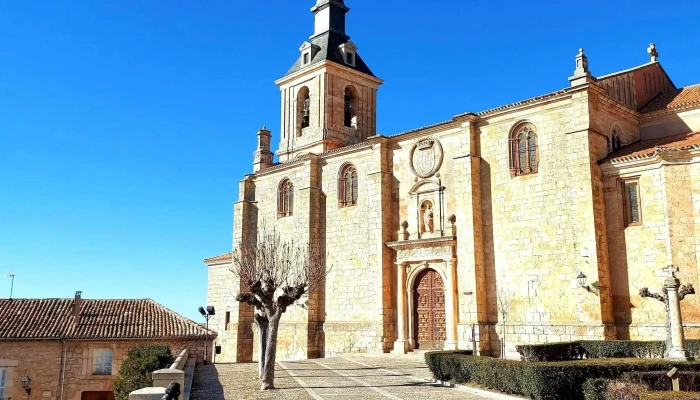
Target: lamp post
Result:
[[208, 313]]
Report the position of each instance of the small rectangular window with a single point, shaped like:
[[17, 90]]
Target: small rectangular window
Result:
[[350, 57], [102, 362], [228, 320], [631, 202], [3, 378], [306, 58]]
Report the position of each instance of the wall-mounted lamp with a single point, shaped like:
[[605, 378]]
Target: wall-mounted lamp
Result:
[[593, 288], [27, 384]]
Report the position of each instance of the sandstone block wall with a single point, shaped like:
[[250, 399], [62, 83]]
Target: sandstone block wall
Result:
[[669, 191], [41, 361]]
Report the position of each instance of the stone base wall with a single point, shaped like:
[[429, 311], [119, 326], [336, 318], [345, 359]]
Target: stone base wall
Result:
[[518, 334], [355, 337], [337, 338]]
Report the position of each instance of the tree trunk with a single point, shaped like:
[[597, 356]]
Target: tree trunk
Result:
[[268, 376], [262, 323]]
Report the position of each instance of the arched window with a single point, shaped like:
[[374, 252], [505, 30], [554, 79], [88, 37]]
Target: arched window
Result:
[[615, 142], [285, 198], [347, 186], [524, 154], [303, 109], [350, 119]]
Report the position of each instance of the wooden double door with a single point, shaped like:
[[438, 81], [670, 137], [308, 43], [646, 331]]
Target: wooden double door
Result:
[[429, 327], [97, 396]]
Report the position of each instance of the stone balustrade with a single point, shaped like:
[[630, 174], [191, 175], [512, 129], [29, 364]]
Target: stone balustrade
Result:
[[164, 377]]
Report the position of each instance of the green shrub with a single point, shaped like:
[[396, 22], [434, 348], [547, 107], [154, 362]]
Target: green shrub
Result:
[[538, 380], [566, 351], [689, 381], [563, 351], [670, 396], [137, 369], [622, 349]]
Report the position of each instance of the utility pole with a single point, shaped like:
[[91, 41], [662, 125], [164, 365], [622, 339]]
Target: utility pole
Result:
[[12, 285]]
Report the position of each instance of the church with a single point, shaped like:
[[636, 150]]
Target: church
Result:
[[532, 222]]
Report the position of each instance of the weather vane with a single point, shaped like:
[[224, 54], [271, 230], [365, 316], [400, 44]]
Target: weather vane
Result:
[[12, 285]]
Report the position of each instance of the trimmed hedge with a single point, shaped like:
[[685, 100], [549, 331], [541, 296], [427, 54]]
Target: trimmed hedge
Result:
[[538, 380], [670, 396], [566, 351]]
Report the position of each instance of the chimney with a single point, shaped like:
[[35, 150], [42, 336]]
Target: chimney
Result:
[[77, 307]]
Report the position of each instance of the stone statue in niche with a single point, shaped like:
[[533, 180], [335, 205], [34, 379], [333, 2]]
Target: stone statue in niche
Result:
[[428, 218]]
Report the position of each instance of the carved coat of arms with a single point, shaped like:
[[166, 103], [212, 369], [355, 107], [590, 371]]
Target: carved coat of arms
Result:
[[426, 157]]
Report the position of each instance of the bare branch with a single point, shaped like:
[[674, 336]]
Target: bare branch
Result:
[[685, 290], [275, 273], [644, 292]]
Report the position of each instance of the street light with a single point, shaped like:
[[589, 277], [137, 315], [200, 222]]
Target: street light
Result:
[[208, 313]]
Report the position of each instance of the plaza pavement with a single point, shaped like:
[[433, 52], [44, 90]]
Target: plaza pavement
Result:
[[361, 377]]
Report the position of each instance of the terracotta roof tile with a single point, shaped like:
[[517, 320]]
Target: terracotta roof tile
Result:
[[223, 257], [678, 98], [99, 319], [647, 148]]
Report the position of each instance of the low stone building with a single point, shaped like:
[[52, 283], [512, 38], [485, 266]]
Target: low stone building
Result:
[[72, 349], [557, 208]]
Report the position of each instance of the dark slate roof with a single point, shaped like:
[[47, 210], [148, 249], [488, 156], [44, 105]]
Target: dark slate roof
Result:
[[36, 319], [328, 43]]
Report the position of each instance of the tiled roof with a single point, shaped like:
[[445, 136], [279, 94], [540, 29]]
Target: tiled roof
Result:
[[490, 111], [687, 96], [99, 319], [647, 148], [223, 257]]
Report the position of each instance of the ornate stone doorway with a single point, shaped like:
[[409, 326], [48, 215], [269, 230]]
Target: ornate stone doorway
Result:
[[429, 326], [426, 294]]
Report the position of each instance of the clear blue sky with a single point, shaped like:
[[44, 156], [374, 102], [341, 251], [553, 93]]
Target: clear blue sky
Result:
[[126, 125]]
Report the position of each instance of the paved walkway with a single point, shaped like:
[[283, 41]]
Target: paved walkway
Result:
[[372, 377]]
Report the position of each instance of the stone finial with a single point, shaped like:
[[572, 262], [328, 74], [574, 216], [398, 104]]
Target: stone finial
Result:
[[581, 74], [653, 53], [404, 230]]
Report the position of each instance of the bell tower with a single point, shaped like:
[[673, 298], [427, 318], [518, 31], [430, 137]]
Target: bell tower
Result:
[[329, 95]]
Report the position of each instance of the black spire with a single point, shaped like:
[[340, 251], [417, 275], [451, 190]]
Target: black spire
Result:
[[330, 16]]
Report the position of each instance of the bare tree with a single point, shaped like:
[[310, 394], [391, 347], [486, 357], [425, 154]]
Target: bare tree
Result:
[[274, 274], [505, 299], [684, 291]]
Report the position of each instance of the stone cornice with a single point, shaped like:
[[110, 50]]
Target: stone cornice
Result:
[[657, 159], [420, 243]]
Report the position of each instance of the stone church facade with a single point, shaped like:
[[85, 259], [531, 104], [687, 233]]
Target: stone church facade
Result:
[[555, 209]]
